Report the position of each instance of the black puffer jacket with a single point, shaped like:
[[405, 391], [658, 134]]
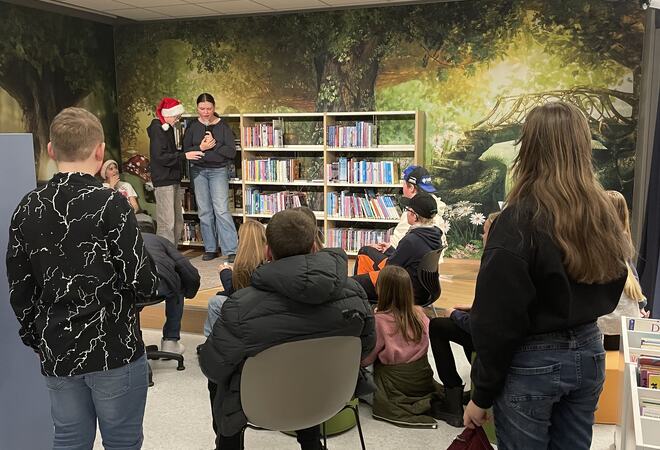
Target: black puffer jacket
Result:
[[173, 268], [291, 299]]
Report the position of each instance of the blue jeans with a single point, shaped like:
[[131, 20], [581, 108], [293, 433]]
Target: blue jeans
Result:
[[212, 196], [173, 311], [551, 391], [215, 306], [116, 398]]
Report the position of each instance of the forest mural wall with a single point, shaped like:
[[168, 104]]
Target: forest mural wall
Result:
[[476, 68], [49, 62]]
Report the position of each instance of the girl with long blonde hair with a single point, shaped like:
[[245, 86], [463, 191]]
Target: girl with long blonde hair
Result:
[[632, 299], [402, 374], [555, 261]]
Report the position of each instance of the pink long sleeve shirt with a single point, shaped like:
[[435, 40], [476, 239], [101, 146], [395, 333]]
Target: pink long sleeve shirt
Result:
[[391, 347]]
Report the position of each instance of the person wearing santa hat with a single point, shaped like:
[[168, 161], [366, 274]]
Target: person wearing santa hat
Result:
[[210, 176], [166, 169]]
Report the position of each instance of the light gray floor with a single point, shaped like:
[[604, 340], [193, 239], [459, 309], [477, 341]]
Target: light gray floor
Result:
[[178, 415]]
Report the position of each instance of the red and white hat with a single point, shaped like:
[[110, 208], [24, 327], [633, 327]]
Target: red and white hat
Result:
[[168, 107]]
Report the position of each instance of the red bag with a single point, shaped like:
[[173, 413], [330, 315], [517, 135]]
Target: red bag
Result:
[[471, 439]]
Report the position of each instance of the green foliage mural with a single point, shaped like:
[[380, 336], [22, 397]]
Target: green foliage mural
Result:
[[47, 63], [475, 68]]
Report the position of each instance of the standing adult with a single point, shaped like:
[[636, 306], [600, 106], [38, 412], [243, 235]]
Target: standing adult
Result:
[[555, 261], [214, 137], [166, 169]]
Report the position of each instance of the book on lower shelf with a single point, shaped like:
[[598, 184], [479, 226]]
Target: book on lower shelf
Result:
[[273, 169], [648, 369], [271, 202], [365, 171], [353, 239], [192, 232], [368, 205]]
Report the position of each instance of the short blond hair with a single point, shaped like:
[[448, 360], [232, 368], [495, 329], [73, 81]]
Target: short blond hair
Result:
[[74, 134]]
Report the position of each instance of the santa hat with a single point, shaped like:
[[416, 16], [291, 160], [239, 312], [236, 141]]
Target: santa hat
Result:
[[105, 166], [168, 107]]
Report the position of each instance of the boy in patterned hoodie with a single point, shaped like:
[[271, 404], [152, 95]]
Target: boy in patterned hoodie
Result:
[[76, 265]]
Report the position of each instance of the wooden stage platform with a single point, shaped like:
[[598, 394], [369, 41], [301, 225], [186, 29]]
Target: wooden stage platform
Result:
[[458, 278]]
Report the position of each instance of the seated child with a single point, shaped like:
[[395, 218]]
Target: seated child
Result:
[[422, 237], [110, 173], [403, 377], [455, 327], [178, 278]]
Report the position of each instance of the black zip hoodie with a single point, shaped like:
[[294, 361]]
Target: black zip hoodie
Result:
[[225, 148], [165, 157], [410, 251]]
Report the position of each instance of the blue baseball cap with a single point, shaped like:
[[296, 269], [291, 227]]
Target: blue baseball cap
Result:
[[420, 177]]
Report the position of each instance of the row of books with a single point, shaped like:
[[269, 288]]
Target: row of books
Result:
[[649, 369], [351, 170], [362, 134], [273, 169], [192, 231], [267, 134], [258, 202], [352, 239], [189, 202], [367, 205]]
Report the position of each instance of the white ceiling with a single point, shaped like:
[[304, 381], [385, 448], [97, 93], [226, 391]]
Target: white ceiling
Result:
[[177, 9]]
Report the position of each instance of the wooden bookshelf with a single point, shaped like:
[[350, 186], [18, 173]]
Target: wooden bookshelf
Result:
[[398, 137]]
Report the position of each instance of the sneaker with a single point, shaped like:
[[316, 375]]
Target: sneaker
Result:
[[231, 258], [172, 346], [208, 256]]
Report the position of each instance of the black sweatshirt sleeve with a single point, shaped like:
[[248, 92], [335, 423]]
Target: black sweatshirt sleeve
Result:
[[23, 288], [499, 319], [403, 252], [160, 152], [188, 144], [190, 279], [225, 148]]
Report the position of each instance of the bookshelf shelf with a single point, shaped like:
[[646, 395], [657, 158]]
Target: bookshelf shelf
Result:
[[363, 185], [380, 149], [301, 144], [286, 148], [359, 219], [285, 183], [635, 430]]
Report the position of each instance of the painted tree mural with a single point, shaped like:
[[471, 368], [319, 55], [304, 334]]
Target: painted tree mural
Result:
[[52, 63]]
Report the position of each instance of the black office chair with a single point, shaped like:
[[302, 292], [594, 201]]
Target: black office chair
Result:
[[429, 277], [152, 350]]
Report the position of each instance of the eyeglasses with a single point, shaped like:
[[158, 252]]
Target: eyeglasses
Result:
[[410, 210]]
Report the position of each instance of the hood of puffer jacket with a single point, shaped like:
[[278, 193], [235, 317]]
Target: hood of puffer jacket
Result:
[[314, 278]]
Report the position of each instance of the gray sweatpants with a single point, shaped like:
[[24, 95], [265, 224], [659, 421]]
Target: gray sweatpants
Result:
[[169, 216]]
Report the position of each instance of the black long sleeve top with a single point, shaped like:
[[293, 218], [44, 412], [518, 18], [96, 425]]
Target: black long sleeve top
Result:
[[523, 289], [165, 158], [75, 264], [225, 147]]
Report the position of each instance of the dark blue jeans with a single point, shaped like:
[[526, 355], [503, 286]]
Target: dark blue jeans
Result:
[[173, 311], [551, 391]]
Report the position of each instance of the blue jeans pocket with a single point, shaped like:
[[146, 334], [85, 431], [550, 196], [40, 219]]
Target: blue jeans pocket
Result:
[[55, 383], [112, 383], [533, 383], [599, 367]]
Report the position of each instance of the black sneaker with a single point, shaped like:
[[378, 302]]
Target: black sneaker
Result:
[[231, 259], [208, 256]]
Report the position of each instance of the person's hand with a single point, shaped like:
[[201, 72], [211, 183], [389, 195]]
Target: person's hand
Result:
[[644, 313], [207, 143], [194, 155], [384, 246], [113, 180], [465, 308], [474, 416]]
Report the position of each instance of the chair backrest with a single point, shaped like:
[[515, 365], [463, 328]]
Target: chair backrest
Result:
[[300, 384], [428, 275]]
